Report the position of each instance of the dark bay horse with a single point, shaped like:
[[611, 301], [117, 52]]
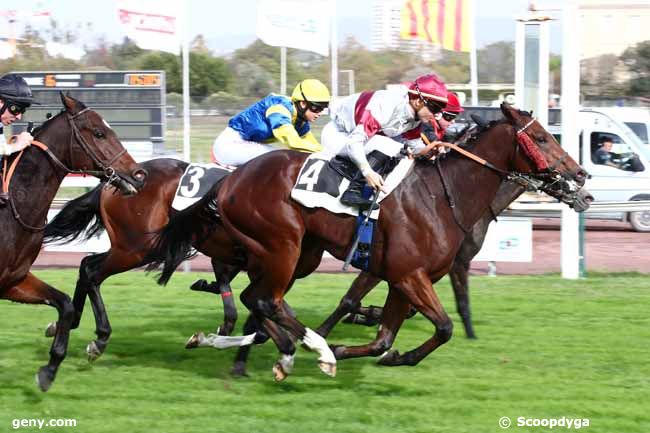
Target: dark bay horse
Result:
[[75, 140], [420, 229]]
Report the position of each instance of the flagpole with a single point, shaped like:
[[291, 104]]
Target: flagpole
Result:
[[186, 82], [334, 51], [283, 70], [472, 57]]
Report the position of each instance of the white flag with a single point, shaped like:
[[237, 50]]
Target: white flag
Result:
[[302, 24], [152, 24]]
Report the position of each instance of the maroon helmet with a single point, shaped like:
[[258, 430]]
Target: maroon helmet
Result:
[[431, 90]]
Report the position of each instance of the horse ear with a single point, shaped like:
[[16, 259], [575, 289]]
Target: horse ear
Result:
[[71, 105], [507, 110]]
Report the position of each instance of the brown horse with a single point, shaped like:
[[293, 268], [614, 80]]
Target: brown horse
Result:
[[421, 227], [75, 140], [131, 224]]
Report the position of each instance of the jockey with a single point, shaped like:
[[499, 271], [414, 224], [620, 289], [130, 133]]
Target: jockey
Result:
[[273, 123], [441, 121], [378, 124], [15, 98]]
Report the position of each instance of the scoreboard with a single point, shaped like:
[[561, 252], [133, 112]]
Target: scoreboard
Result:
[[132, 102]]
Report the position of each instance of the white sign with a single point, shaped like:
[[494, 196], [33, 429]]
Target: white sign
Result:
[[152, 24], [301, 24], [508, 240]]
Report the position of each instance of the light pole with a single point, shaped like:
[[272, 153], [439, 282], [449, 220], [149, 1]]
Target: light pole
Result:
[[350, 73]]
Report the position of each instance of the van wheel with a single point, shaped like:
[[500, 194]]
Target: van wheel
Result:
[[640, 221]]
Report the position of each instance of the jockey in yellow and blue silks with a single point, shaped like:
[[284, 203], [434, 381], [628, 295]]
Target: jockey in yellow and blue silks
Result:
[[273, 123]]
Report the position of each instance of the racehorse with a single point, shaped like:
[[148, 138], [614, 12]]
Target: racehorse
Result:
[[420, 229], [131, 224], [77, 140]]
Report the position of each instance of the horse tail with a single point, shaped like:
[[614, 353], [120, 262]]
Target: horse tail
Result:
[[174, 242], [78, 217]]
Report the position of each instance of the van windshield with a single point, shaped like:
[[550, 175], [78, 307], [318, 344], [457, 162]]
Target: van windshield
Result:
[[639, 129]]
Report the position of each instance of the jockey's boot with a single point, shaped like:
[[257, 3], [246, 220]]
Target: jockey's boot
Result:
[[352, 196]]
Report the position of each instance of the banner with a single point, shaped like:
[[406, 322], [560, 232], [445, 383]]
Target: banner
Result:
[[301, 24], [443, 22], [152, 24]]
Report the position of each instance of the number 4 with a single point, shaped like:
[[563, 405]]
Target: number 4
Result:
[[310, 177]]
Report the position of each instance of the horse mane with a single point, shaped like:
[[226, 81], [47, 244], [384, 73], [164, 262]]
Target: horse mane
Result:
[[43, 125], [40, 127]]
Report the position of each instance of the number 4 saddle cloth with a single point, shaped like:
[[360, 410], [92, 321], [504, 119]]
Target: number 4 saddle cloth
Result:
[[196, 182], [319, 185]]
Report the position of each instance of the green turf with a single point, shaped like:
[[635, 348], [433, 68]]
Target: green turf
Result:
[[547, 348]]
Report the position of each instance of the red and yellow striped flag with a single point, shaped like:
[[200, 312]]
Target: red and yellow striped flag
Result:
[[443, 22]]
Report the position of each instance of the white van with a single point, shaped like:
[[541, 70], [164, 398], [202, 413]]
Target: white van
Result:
[[635, 118], [626, 176]]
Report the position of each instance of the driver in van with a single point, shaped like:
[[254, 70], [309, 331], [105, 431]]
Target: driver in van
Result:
[[625, 161]]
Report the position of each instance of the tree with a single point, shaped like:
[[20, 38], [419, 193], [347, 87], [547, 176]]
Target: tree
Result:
[[637, 60], [496, 63]]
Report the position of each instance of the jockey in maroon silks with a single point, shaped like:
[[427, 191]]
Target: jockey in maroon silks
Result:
[[371, 127]]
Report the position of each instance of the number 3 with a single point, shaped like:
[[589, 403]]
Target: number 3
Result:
[[196, 173]]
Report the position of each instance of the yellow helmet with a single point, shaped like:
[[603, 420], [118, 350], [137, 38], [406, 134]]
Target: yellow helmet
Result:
[[311, 90]]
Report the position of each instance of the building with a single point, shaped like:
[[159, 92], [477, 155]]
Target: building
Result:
[[612, 26], [385, 31]]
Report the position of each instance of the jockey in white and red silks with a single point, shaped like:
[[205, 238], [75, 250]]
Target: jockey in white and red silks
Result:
[[371, 127]]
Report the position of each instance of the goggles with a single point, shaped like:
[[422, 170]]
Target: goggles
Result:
[[315, 107], [15, 109], [449, 117]]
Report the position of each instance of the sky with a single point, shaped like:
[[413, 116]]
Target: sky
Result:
[[228, 25]]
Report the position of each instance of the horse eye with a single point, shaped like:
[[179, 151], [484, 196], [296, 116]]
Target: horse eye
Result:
[[99, 133], [541, 139]]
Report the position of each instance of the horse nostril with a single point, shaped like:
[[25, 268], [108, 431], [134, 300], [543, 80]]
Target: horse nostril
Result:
[[581, 175]]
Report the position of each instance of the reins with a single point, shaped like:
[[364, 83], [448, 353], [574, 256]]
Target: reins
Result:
[[523, 139]]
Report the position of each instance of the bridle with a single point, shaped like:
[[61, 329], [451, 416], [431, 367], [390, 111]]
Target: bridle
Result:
[[107, 171], [547, 178]]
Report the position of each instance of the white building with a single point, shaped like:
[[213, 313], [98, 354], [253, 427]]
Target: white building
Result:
[[385, 31]]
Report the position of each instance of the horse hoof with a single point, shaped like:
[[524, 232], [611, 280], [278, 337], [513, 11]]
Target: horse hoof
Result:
[[44, 379], [50, 331], [390, 358], [239, 370], [329, 368], [93, 351], [278, 372], [194, 340]]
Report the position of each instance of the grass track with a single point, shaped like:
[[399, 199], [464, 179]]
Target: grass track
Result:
[[547, 348]]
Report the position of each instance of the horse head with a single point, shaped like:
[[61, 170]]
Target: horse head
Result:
[[94, 148], [543, 159]]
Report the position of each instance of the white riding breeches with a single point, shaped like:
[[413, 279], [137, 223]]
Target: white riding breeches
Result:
[[229, 148], [335, 142]]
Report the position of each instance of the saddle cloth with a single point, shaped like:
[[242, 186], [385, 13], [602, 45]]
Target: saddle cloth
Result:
[[318, 185], [196, 182]]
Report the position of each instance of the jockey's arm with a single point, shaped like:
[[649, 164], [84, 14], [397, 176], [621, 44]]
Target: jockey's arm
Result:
[[356, 149], [285, 132]]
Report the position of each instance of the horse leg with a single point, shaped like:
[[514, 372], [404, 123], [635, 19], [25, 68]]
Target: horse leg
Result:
[[31, 290], [80, 292], [458, 275], [396, 308], [350, 302], [223, 274], [93, 272], [417, 288]]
